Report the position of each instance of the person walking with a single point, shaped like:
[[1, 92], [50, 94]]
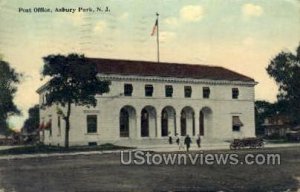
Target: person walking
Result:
[[187, 142], [177, 139], [170, 139], [179, 142], [198, 141]]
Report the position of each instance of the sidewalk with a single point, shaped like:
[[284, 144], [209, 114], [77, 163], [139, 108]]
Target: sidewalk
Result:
[[207, 146], [155, 148]]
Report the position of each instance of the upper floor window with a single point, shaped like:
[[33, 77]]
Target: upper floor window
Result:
[[148, 90], [187, 91], [128, 89], [169, 90], [206, 92], [235, 93], [46, 98], [91, 123]]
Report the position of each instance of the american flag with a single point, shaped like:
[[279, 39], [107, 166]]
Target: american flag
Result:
[[154, 27]]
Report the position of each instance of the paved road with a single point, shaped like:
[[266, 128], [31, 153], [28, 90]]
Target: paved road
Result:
[[105, 173]]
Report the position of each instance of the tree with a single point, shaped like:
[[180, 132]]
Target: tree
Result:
[[9, 78], [73, 81], [32, 123], [285, 69]]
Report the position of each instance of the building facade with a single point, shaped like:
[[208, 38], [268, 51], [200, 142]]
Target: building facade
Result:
[[148, 102]]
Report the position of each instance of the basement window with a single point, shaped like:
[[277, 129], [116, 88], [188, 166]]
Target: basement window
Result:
[[92, 143]]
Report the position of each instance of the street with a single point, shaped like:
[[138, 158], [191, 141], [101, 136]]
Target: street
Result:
[[105, 173]]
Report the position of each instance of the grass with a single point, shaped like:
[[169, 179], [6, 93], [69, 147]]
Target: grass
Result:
[[37, 149], [278, 141]]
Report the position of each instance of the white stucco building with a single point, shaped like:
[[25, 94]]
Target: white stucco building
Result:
[[148, 101]]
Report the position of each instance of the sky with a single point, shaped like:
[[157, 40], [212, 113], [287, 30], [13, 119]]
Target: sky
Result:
[[241, 35]]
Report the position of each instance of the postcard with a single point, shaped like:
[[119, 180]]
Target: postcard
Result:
[[162, 95]]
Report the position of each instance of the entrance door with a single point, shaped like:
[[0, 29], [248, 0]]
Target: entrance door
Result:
[[183, 124], [145, 123], [124, 123], [201, 123], [164, 123]]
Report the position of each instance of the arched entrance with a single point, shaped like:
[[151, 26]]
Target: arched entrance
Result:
[[127, 121], [187, 120], [168, 121], [148, 122], [205, 121]]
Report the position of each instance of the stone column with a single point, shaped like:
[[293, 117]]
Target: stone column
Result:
[[197, 126], [158, 126], [178, 124], [138, 126]]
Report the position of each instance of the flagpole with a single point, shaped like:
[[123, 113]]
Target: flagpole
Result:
[[157, 38]]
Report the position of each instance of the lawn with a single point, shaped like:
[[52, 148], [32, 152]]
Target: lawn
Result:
[[37, 149]]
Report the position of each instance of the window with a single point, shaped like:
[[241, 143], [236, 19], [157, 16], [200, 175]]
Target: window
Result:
[[169, 90], [128, 89], [206, 92], [236, 123], [187, 91], [91, 123], [235, 93], [148, 90], [49, 127], [92, 143], [46, 100], [58, 125]]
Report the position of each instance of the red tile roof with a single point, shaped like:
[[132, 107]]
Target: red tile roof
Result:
[[146, 68]]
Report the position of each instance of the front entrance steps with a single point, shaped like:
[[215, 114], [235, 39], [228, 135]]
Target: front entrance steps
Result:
[[162, 144]]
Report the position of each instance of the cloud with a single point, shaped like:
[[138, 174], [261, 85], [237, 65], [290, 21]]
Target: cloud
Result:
[[100, 26], [252, 10], [167, 36], [173, 21], [191, 13]]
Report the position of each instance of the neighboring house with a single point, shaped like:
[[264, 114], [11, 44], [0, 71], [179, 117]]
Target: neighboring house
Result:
[[29, 136], [148, 101], [277, 125]]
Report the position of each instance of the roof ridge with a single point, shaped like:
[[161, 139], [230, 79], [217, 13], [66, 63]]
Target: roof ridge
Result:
[[153, 62]]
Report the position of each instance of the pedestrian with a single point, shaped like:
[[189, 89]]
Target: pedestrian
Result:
[[198, 141], [177, 139], [170, 139], [187, 142]]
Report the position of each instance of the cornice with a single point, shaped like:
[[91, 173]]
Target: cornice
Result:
[[114, 77]]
